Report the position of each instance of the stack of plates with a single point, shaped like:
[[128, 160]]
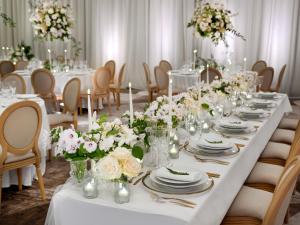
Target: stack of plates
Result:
[[260, 103], [233, 126], [266, 95], [252, 113], [178, 180], [26, 96]]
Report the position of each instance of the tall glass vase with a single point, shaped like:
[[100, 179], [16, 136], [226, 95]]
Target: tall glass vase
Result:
[[78, 170]]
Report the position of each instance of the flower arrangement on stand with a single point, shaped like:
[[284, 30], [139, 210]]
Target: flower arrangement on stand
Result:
[[212, 20]]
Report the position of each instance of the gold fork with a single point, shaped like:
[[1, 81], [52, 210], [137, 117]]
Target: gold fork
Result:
[[212, 160]]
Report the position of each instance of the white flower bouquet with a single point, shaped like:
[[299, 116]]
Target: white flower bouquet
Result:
[[212, 20], [52, 20]]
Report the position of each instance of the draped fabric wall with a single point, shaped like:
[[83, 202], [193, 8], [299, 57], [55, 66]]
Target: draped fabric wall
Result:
[[134, 31]]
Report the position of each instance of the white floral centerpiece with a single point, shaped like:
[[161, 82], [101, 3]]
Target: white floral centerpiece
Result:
[[212, 20], [52, 20]]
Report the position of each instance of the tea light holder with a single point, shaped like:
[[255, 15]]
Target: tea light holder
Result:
[[122, 192], [174, 151], [90, 189]]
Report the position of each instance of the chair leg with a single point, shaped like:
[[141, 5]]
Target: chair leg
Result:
[[0, 188], [118, 100], [41, 181], [80, 106], [49, 154], [75, 116], [108, 102], [114, 96], [20, 178]]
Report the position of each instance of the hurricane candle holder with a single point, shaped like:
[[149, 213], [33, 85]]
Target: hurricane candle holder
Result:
[[122, 192], [90, 188]]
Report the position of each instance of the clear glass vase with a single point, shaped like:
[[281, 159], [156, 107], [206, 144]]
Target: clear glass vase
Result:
[[121, 192], [158, 154], [78, 170]]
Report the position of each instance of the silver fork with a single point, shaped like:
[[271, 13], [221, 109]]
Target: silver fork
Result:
[[221, 162], [178, 201]]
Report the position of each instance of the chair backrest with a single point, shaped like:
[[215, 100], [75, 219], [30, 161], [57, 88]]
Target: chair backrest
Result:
[[280, 78], [111, 66], [162, 78], [282, 194], [101, 80], [20, 126], [21, 65], [259, 66], [267, 74], [121, 76], [212, 75], [165, 65], [19, 82], [43, 82], [71, 95], [6, 67], [147, 73]]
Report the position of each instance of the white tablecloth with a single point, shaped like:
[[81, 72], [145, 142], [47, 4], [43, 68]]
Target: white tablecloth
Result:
[[28, 173], [61, 78], [69, 207]]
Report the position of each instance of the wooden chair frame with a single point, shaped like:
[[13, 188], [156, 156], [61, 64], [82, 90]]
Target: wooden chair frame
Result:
[[112, 72], [18, 77], [258, 62], [116, 89], [3, 62], [151, 88], [211, 71]]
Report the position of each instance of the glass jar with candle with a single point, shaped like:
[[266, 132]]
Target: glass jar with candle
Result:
[[90, 187], [121, 191], [78, 170]]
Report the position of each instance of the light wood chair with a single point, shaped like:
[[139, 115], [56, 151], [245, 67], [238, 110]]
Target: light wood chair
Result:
[[165, 66], [152, 88], [259, 65], [267, 75], [71, 95], [213, 74], [20, 126], [257, 207], [21, 65], [111, 66], [162, 80], [18, 81], [43, 83], [6, 67], [115, 88], [279, 81]]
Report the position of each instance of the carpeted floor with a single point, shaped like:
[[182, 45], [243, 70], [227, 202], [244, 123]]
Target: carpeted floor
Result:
[[26, 208]]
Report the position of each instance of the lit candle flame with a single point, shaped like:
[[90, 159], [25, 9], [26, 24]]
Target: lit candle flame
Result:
[[129, 84], [88, 91]]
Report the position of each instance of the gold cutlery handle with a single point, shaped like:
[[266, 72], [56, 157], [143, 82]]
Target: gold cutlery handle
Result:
[[212, 160], [181, 200], [215, 175], [181, 204]]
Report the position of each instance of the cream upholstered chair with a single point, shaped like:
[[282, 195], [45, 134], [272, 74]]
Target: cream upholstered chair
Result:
[[152, 88], [267, 75], [279, 81], [6, 67], [20, 126], [259, 65], [213, 74], [162, 80], [21, 65], [70, 101], [111, 66], [254, 206], [288, 123], [265, 176], [115, 88], [43, 83], [165, 66], [19, 82]]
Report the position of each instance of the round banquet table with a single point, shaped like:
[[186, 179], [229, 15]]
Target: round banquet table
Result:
[[28, 173], [61, 78]]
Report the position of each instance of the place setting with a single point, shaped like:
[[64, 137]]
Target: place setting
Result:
[[246, 113], [267, 95]]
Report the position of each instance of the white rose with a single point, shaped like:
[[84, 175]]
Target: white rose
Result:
[[108, 168], [131, 167], [121, 153]]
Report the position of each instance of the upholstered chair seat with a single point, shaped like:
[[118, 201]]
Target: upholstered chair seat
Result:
[[251, 202], [58, 118], [276, 150], [283, 135], [288, 123], [15, 158]]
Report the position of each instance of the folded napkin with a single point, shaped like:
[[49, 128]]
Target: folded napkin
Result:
[[232, 123], [266, 94], [251, 111], [261, 102], [214, 141], [178, 174]]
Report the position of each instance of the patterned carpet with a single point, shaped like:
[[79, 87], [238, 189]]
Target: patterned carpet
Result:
[[26, 208]]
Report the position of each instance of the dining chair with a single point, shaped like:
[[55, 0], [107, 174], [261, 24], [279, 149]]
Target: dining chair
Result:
[[111, 66], [6, 67], [21, 65], [115, 88], [20, 126], [43, 83], [165, 65], [279, 81], [259, 65], [213, 74], [162, 80], [288, 123], [70, 99], [267, 75], [19, 82], [152, 88], [257, 207]]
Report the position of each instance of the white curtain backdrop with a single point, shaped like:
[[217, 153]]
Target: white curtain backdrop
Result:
[[137, 31]]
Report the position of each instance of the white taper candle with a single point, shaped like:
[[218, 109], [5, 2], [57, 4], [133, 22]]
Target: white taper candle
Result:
[[194, 59], [207, 73], [245, 63], [89, 109], [130, 105]]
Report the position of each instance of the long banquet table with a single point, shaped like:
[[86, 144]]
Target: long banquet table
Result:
[[28, 173], [69, 207]]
